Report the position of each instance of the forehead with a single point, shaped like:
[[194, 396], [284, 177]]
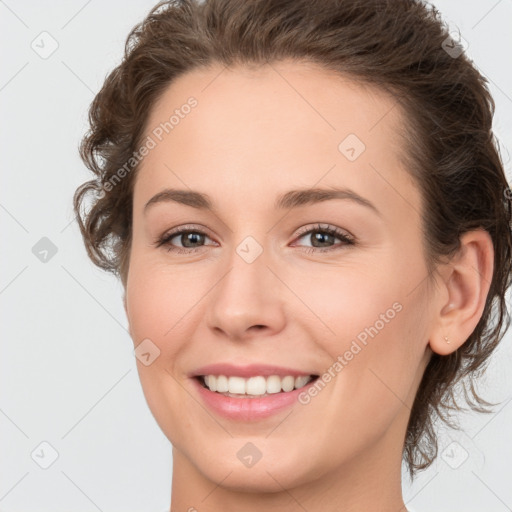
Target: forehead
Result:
[[264, 128]]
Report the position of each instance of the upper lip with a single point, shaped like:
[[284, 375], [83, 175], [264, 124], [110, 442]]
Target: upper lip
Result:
[[250, 370]]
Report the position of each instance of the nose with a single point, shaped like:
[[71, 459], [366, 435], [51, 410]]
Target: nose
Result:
[[247, 299]]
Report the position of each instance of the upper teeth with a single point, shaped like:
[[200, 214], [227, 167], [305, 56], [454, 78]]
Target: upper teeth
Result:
[[254, 385]]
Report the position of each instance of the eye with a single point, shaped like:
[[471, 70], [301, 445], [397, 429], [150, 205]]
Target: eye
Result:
[[192, 239], [187, 236], [322, 235]]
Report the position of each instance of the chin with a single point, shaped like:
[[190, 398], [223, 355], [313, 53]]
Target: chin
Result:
[[271, 473]]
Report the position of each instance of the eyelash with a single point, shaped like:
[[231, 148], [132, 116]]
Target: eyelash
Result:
[[346, 239]]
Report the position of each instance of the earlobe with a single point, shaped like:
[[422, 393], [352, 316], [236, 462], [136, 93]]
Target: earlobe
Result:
[[467, 284]]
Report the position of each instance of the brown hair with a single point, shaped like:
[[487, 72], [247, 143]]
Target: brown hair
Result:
[[399, 46]]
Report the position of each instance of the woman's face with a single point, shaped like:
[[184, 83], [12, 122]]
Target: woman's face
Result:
[[258, 281]]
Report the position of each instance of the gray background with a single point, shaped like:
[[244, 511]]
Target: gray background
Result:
[[67, 371]]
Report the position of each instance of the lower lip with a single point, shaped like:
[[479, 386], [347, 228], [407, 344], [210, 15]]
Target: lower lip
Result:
[[248, 409]]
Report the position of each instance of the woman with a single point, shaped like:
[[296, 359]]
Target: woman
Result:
[[311, 222]]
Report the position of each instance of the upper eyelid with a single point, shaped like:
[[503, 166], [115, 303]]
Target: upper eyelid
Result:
[[322, 226], [303, 230], [186, 227]]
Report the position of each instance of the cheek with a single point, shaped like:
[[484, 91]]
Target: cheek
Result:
[[375, 330], [380, 377], [155, 306], [345, 302], [157, 299]]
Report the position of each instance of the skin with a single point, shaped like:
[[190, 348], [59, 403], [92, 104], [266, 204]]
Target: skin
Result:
[[255, 134]]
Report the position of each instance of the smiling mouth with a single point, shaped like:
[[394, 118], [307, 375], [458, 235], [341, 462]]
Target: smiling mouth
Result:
[[253, 387]]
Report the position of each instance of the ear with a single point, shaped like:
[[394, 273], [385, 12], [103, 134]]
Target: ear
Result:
[[465, 284]]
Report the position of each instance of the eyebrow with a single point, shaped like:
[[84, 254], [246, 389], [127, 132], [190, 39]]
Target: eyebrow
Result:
[[288, 200]]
